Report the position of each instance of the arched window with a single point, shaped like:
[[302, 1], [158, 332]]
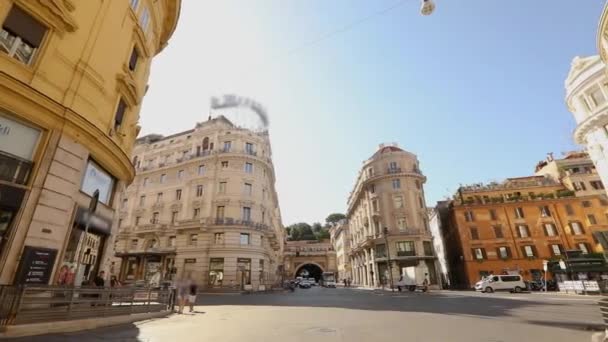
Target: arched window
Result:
[[205, 144]]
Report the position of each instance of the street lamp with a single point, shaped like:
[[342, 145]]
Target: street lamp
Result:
[[388, 258]]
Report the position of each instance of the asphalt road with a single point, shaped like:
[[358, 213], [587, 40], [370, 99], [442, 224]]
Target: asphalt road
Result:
[[321, 314]]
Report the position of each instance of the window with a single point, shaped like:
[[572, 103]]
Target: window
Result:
[[544, 211], [579, 186], [123, 205], [398, 202], [418, 186], [498, 232], [519, 212], [178, 194], [119, 223], [428, 248], [597, 185], [134, 243], [119, 115], [144, 19], [201, 170], [493, 214], [159, 197], [597, 96], [180, 174], [474, 234], [197, 212], [142, 200], [218, 238], [21, 35], [244, 265], [199, 190], [401, 223], [529, 251], [244, 239], [193, 239], [577, 228], [222, 188], [174, 217], [163, 178], [569, 209], [224, 164], [468, 216], [247, 189], [137, 219], [246, 214], [133, 59], [479, 253], [248, 168], [146, 181], [556, 250], [249, 148], [420, 202], [219, 212], [406, 248], [503, 252], [393, 165], [591, 219], [523, 231], [134, 4], [171, 241], [155, 217], [586, 204], [227, 146], [583, 247], [216, 271], [550, 229], [263, 216], [396, 183], [375, 204]]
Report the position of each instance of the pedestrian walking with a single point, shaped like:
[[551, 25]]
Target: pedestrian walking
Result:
[[425, 282], [183, 288], [345, 282], [99, 280], [114, 282], [192, 296]]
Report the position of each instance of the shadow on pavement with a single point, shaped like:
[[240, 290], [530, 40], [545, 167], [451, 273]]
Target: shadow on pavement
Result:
[[123, 333]]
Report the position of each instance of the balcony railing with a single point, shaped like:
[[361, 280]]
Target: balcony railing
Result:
[[393, 170]]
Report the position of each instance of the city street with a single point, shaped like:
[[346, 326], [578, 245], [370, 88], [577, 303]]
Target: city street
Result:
[[321, 314]]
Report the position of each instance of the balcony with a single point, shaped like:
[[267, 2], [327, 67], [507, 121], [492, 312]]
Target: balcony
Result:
[[410, 231], [393, 170], [228, 221], [406, 253]]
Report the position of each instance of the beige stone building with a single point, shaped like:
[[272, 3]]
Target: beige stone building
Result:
[[389, 194], [203, 204], [72, 81], [340, 239], [309, 258], [575, 171]]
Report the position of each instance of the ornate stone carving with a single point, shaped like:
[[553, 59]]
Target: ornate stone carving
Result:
[[61, 17]]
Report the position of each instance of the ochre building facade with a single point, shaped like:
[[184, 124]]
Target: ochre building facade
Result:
[[73, 75]]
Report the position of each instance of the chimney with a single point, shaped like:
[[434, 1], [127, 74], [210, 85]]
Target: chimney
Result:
[[550, 157]]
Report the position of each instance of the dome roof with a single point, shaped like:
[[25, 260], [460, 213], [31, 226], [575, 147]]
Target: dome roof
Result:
[[386, 149]]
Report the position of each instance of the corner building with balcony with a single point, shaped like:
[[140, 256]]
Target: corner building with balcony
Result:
[[389, 194], [73, 75], [203, 205]]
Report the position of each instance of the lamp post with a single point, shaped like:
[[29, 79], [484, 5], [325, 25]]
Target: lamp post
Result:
[[388, 258]]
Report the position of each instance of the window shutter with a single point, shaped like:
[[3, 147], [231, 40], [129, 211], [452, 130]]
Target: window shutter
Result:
[[120, 112], [483, 252], [498, 256], [545, 229], [21, 24], [133, 59], [528, 231], [509, 252]]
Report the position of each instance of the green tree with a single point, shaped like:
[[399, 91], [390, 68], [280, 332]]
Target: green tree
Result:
[[334, 218], [316, 227]]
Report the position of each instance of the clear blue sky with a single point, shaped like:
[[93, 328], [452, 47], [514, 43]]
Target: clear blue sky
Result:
[[476, 89]]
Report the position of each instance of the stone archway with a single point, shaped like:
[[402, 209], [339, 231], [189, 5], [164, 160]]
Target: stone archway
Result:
[[309, 270]]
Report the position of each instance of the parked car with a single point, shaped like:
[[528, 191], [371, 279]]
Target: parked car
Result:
[[304, 284], [511, 283]]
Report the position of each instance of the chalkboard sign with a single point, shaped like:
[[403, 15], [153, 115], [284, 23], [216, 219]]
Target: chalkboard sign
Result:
[[36, 265]]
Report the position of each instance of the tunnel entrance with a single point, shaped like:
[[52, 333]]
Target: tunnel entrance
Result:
[[309, 271]]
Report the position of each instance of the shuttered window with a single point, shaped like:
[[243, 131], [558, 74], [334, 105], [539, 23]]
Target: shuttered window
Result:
[[24, 26]]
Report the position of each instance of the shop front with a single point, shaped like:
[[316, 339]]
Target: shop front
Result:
[[150, 268], [580, 273]]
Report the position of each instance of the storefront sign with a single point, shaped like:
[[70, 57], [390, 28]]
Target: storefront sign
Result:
[[97, 223], [18, 139], [190, 261], [36, 265], [95, 178]]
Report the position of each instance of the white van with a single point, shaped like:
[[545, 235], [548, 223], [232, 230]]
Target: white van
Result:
[[511, 283]]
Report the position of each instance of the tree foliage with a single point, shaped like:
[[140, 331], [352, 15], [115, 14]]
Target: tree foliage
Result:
[[304, 231], [334, 218]]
